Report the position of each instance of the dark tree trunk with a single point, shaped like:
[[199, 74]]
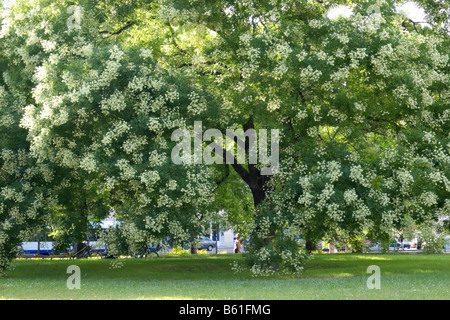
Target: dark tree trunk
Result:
[[253, 178], [252, 175], [309, 246], [83, 228], [258, 192], [258, 187], [80, 251]]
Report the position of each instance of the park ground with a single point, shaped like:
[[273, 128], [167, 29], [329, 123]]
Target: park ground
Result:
[[335, 276]]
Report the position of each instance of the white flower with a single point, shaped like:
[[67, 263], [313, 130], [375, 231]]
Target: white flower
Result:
[[149, 178], [197, 105], [146, 53], [429, 198], [48, 45], [88, 163], [127, 171], [86, 51]]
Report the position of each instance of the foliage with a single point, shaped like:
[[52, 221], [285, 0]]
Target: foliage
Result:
[[359, 244], [87, 113], [179, 251], [115, 242], [431, 242]]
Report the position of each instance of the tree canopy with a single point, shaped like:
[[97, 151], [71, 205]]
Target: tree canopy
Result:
[[92, 91]]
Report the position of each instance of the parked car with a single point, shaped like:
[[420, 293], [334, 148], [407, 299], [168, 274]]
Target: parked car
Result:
[[203, 243], [399, 245], [406, 245], [207, 244]]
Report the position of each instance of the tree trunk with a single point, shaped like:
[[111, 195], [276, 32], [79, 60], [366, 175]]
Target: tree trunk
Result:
[[193, 249], [251, 175], [309, 246], [80, 246], [82, 235], [259, 194]]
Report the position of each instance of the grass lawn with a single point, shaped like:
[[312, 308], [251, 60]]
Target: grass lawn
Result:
[[338, 276]]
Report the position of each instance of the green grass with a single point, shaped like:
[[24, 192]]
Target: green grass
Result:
[[339, 276]]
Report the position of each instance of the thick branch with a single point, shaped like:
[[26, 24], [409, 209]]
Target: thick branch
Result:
[[172, 33], [225, 154], [127, 26]]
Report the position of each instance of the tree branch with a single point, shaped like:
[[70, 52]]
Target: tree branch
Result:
[[172, 32], [127, 26], [225, 154]]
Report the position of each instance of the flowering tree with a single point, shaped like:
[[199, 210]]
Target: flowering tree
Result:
[[94, 123], [90, 97]]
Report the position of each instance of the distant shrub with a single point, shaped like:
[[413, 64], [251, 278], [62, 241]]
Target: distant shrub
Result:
[[179, 251]]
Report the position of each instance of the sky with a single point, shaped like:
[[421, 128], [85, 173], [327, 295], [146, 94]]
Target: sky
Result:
[[414, 12]]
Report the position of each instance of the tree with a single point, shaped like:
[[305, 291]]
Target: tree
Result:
[[361, 104], [103, 145]]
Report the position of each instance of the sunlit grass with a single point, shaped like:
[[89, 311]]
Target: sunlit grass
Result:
[[342, 276], [358, 257]]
